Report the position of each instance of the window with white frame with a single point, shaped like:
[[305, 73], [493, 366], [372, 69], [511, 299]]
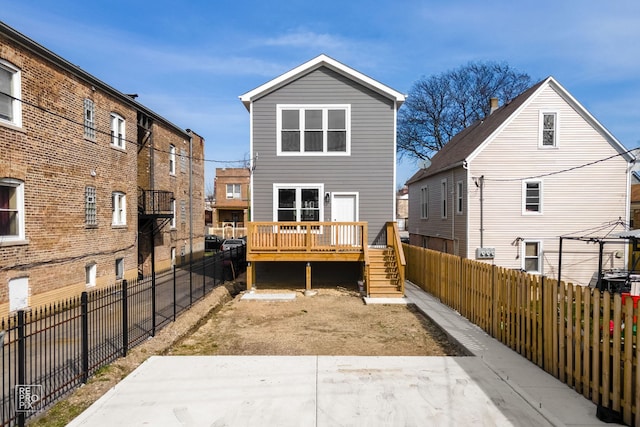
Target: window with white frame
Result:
[[119, 268], [314, 129], [532, 197], [443, 198], [531, 260], [172, 159], [10, 94], [173, 211], [119, 203], [117, 131], [424, 202], [18, 293], [297, 202], [11, 209], [233, 191], [90, 273], [89, 120], [459, 197], [90, 207], [549, 129]]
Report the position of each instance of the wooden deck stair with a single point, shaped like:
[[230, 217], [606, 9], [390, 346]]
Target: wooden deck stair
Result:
[[384, 277]]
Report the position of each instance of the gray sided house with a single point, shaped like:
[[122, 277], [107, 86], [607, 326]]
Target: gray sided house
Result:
[[323, 150], [507, 187]]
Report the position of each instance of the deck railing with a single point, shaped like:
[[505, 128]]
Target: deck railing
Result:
[[306, 237]]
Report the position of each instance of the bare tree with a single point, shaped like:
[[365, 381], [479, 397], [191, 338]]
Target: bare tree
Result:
[[440, 106]]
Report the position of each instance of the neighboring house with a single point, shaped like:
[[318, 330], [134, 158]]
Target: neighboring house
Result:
[[505, 188], [69, 177], [402, 208], [231, 207], [323, 185], [635, 206]]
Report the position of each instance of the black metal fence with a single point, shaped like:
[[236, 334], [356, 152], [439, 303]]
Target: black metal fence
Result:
[[50, 351]]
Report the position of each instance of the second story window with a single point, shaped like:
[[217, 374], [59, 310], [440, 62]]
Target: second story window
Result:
[[117, 131], [119, 201], [90, 207], [314, 130], [443, 199], [532, 197], [10, 105], [549, 132], [89, 121], [424, 202], [459, 197], [233, 191], [172, 159]]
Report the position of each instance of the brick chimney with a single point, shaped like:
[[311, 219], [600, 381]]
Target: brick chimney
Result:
[[493, 103]]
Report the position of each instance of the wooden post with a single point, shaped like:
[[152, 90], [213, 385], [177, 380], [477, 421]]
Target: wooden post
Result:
[[308, 281], [249, 276]]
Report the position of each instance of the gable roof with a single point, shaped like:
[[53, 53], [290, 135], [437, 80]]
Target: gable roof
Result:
[[467, 143], [314, 64]]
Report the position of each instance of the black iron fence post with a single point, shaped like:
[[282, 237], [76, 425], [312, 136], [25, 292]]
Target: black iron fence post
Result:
[[204, 276], [21, 360], [125, 319], [84, 310], [153, 308], [174, 293]]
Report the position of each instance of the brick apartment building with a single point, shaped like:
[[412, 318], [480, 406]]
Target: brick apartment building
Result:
[[78, 160], [231, 207]]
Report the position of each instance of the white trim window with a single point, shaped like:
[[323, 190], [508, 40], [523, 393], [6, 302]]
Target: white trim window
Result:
[[10, 94], [89, 120], [173, 211], [11, 209], [531, 256], [424, 202], [548, 129], [314, 130], [119, 268], [459, 197], [119, 201], [443, 199], [118, 135], [532, 197], [234, 191], [172, 159], [90, 274], [298, 202]]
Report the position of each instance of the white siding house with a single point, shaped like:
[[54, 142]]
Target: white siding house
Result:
[[536, 169]]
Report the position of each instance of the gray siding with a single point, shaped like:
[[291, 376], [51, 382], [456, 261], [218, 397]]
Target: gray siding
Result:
[[369, 170]]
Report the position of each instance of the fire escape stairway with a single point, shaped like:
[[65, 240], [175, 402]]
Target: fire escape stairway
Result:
[[384, 276]]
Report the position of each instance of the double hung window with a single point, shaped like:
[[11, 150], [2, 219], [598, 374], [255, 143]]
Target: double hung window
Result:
[[548, 129], [11, 209], [10, 104], [233, 191], [531, 259], [172, 159], [443, 199], [314, 130], [424, 202], [119, 201], [117, 131]]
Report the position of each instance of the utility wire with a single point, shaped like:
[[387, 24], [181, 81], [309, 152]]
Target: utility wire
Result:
[[136, 143]]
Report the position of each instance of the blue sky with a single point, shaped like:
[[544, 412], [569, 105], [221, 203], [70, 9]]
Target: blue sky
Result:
[[190, 60]]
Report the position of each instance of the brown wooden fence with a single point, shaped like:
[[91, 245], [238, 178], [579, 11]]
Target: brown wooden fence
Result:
[[582, 336]]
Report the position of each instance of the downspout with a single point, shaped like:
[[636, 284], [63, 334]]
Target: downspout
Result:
[[481, 179], [190, 196]]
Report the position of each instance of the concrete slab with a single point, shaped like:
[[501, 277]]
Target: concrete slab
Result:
[[251, 296], [310, 391], [370, 301]]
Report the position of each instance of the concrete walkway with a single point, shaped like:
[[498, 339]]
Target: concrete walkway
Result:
[[558, 403], [494, 387]]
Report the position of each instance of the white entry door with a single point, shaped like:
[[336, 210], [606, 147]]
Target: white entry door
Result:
[[344, 208]]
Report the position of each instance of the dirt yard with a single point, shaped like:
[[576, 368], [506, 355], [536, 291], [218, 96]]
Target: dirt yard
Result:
[[334, 322]]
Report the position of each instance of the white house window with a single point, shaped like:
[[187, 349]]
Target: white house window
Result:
[[119, 268], [18, 294], [443, 198], [549, 131], [89, 121], [424, 202], [314, 129], [117, 131], [459, 197], [172, 159], [119, 201], [173, 210], [11, 209], [297, 202], [90, 207], [531, 260], [532, 197], [90, 271], [10, 93], [233, 191]]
